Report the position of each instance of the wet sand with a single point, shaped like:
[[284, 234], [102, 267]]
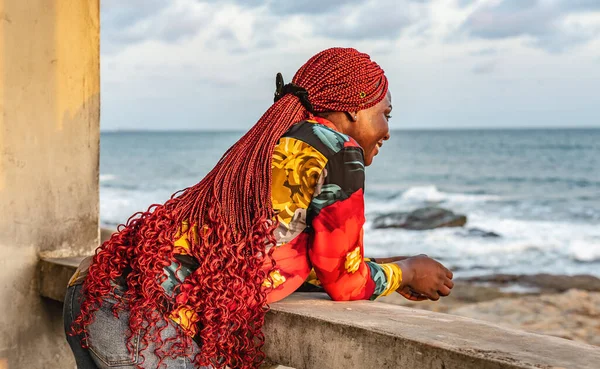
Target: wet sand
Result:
[[561, 306]]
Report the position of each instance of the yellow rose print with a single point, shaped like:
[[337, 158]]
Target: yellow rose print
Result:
[[277, 279], [296, 170], [187, 319], [353, 260], [313, 279], [182, 241]]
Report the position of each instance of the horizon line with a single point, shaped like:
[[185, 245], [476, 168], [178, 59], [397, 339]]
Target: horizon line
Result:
[[407, 129]]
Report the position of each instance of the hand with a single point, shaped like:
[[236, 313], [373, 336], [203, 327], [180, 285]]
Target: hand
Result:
[[423, 276], [409, 294]]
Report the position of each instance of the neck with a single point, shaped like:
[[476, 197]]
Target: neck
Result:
[[340, 121]]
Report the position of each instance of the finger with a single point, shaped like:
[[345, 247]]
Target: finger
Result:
[[434, 296], [412, 295], [449, 283], [403, 291], [417, 296], [449, 273], [444, 291], [407, 294]]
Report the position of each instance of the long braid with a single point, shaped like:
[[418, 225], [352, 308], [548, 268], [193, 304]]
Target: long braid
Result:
[[231, 227]]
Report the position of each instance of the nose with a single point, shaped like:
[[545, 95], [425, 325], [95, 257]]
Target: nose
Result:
[[387, 136]]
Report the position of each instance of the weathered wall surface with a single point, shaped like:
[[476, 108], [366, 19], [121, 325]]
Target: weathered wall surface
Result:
[[49, 142], [309, 331]]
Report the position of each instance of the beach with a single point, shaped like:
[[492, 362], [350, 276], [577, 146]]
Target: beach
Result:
[[570, 309]]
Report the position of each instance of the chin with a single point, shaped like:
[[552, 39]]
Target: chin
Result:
[[368, 161]]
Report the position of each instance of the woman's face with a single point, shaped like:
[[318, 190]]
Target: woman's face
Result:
[[371, 127]]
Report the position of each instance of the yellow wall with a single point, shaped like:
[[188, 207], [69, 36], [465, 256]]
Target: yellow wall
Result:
[[49, 163]]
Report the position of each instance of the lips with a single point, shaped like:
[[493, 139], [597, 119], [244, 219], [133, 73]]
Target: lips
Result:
[[377, 147]]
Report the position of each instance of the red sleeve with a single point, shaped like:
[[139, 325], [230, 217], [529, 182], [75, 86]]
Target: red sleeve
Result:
[[336, 250]]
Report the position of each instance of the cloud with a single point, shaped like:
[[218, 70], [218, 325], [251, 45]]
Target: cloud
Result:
[[269, 23], [465, 3], [241, 3], [129, 22], [190, 63], [311, 7], [484, 52], [509, 18], [118, 13], [484, 68], [381, 20], [548, 24], [290, 8], [282, 22], [579, 5], [220, 23]]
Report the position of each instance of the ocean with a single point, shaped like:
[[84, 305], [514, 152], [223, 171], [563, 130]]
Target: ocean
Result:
[[538, 189]]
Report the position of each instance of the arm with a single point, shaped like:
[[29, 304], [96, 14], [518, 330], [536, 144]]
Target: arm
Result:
[[336, 216], [391, 259]]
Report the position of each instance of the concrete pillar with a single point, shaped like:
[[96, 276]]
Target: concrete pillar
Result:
[[49, 163]]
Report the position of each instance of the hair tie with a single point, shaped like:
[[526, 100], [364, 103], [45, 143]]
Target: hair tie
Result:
[[281, 90]]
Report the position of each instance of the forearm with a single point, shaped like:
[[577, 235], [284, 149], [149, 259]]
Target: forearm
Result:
[[387, 260]]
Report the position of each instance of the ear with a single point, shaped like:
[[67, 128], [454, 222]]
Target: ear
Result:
[[352, 116]]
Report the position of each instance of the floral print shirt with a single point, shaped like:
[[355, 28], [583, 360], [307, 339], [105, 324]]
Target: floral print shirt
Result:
[[317, 191], [318, 177]]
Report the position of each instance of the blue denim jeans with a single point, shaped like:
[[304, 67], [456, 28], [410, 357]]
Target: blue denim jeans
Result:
[[108, 339]]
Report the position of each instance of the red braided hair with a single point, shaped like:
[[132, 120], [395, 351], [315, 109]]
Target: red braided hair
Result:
[[231, 226]]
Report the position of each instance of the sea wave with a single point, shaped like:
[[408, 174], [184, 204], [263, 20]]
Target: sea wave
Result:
[[433, 195], [586, 250], [118, 204], [525, 246], [418, 196], [107, 177]]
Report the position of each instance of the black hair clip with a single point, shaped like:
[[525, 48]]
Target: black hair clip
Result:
[[281, 90]]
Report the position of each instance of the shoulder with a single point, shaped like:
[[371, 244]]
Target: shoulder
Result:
[[326, 140]]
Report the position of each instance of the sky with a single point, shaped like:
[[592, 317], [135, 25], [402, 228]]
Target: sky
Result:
[[452, 64]]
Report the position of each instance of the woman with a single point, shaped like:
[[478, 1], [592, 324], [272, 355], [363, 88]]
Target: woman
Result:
[[186, 284]]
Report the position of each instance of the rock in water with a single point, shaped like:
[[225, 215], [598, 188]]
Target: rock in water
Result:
[[421, 219], [477, 232]]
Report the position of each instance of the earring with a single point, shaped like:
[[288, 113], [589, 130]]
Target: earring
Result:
[[355, 117]]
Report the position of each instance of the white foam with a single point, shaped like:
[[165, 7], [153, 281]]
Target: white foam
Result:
[[418, 196], [526, 246], [107, 177], [587, 250], [118, 204], [433, 194]]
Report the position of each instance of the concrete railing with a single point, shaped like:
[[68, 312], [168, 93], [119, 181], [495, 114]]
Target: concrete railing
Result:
[[309, 331]]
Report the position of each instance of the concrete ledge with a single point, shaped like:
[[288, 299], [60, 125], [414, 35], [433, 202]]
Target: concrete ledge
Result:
[[309, 331], [55, 274]]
